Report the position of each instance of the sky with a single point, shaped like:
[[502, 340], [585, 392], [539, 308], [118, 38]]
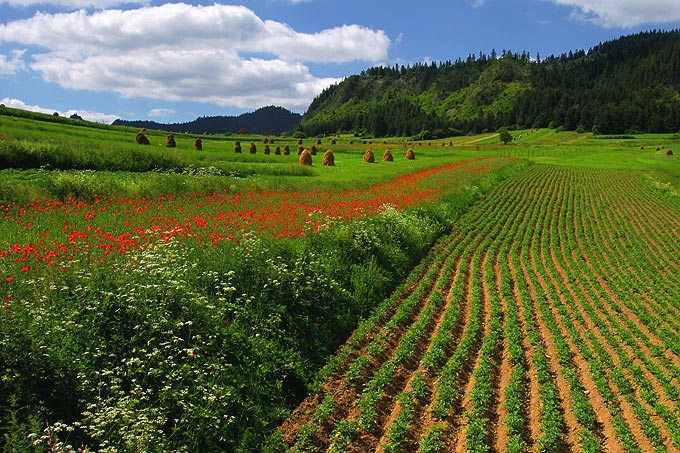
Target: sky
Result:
[[174, 62]]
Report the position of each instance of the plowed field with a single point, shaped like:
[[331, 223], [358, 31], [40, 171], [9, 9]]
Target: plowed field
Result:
[[548, 320]]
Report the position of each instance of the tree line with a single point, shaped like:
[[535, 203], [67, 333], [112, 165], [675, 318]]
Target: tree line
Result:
[[625, 85]]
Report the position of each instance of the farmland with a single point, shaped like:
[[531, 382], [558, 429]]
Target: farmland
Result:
[[547, 321], [479, 298]]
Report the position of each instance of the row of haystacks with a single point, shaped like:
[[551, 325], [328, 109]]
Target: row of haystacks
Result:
[[387, 156], [667, 152], [170, 142], [304, 155]]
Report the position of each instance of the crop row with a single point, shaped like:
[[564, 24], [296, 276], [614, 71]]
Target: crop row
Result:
[[553, 326]]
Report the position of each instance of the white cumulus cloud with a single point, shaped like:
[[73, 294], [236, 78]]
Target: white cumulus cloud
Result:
[[160, 113], [623, 13], [12, 63], [221, 54], [84, 114]]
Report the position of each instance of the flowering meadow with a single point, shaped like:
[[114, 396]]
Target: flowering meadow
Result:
[[194, 322]]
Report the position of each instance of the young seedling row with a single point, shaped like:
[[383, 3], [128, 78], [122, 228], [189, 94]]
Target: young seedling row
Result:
[[548, 320]]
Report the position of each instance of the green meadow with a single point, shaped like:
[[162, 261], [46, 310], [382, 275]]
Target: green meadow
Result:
[[154, 300]]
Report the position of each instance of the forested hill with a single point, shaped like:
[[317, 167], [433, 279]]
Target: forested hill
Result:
[[266, 120], [629, 84]]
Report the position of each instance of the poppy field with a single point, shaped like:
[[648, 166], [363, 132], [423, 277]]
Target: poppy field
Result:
[[478, 298]]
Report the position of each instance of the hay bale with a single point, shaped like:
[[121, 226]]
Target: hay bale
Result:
[[305, 158], [312, 150], [266, 149], [286, 150], [237, 147], [141, 139], [328, 159], [387, 156], [252, 148], [265, 140], [299, 150], [669, 152], [271, 141], [277, 150], [369, 157], [198, 144], [410, 155], [170, 141], [318, 141]]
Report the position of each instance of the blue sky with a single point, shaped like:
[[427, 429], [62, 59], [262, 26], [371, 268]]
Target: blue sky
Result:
[[173, 62]]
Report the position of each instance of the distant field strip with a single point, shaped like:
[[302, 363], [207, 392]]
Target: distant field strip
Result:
[[548, 320]]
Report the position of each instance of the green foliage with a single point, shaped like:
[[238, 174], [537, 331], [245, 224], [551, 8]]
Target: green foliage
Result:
[[627, 84], [504, 135]]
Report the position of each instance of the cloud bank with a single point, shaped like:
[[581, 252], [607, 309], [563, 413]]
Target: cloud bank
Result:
[[623, 13], [221, 54]]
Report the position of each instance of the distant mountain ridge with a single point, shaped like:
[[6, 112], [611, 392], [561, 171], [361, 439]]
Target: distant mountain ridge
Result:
[[270, 120], [625, 85]]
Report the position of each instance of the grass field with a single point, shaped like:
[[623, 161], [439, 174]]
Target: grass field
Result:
[[481, 297]]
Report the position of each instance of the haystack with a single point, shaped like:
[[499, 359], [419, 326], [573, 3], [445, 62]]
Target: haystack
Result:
[[299, 142], [265, 140], [170, 141], [266, 149], [669, 152], [286, 150], [318, 141], [410, 155], [328, 159], [369, 157], [332, 141], [141, 139], [277, 150], [312, 150], [253, 148], [237, 147], [198, 144], [305, 158], [300, 149], [387, 156]]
